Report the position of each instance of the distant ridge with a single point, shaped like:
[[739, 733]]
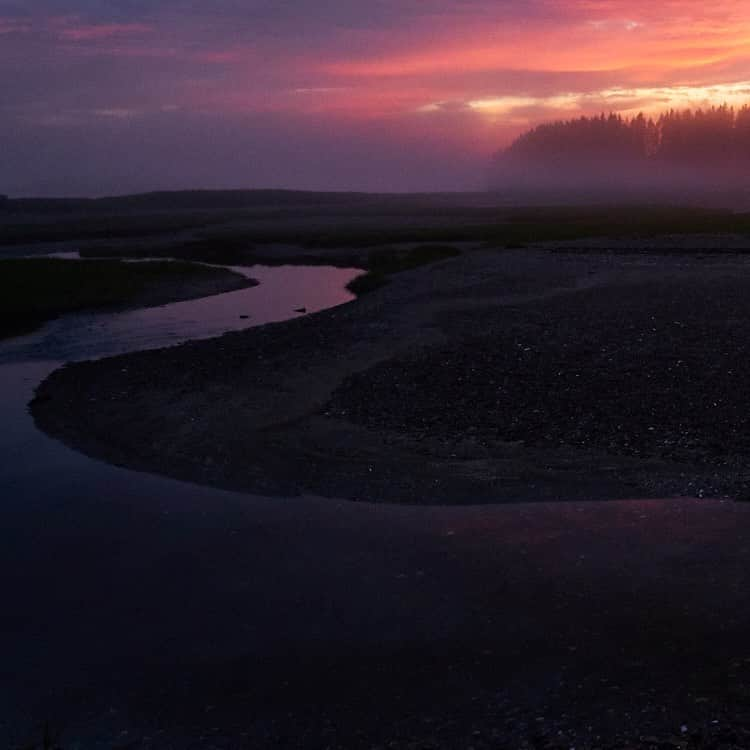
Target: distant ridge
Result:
[[182, 200], [233, 200]]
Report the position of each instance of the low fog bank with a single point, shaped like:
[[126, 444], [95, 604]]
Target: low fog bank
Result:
[[183, 151], [617, 183], [692, 157]]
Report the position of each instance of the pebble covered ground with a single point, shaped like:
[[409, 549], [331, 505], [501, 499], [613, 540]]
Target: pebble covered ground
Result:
[[649, 370]]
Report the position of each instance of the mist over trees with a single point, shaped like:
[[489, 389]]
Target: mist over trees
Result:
[[701, 150]]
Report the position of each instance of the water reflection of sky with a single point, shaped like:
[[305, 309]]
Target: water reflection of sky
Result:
[[282, 290], [32, 458]]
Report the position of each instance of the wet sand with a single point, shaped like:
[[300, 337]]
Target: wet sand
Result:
[[212, 620]]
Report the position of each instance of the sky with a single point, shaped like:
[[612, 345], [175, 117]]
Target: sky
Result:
[[100, 97]]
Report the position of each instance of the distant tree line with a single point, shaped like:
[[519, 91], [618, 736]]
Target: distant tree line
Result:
[[707, 148]]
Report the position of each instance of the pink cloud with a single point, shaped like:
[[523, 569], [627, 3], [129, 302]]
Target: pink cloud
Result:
[[13, 26], [97, 32], [446, 77], [221, 57]]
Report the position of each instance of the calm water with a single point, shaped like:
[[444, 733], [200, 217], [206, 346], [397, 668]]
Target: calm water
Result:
[[25, 361], [111, 570], [282, 290]]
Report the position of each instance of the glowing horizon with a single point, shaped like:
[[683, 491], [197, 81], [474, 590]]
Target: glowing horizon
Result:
[[382, 77]]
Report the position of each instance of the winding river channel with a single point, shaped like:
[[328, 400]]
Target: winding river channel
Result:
[[70, 524], [24, 361]]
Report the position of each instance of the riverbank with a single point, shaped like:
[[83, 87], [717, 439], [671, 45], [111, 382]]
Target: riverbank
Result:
[[35, 290], [497, 376]]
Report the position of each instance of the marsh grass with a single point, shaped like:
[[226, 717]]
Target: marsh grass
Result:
[[34, 290], [365, 222], [347, 240], [384, 262], [50, 740], [522, 226]]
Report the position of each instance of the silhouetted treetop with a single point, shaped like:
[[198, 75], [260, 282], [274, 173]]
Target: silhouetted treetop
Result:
[[706, 146]]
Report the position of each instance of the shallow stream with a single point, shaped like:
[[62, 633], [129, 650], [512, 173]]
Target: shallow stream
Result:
[[25, 361]]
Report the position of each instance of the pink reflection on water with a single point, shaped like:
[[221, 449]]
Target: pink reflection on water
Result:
[[282, 291]]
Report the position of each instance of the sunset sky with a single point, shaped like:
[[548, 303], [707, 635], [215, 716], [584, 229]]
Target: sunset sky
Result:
[[109, 97]]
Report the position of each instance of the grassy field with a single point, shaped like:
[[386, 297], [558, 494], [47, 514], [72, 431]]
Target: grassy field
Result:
[[35, 290], [221, 228], [514, 227], [337, 239], [382, 263]]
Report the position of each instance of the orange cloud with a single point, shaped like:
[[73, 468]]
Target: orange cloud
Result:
[[475, 70], [604, 55]]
